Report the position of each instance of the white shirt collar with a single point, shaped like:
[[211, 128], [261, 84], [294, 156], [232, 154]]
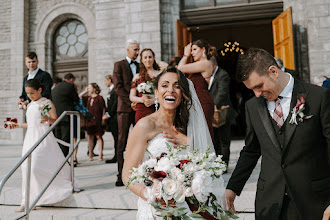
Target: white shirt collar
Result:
[[287, 92], [33, 74], [128, 59], [111, 87]]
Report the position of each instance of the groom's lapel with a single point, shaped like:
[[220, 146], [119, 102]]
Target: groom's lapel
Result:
[[298, 90], [264, 115]]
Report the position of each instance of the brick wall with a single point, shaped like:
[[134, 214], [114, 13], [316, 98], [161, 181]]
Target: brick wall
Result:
[[312, 19]]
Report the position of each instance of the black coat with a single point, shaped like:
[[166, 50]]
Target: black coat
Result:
[[111, 109], [63, 97], [219, 92], [45, 79], [301, 163]]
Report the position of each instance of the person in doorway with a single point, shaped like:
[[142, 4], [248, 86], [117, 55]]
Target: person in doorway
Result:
[[110, 116], [294, 180], [280, 64], [219, 90], [123, 73], [31, 62]]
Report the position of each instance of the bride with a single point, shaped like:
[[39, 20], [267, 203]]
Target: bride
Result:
[[179, 120]]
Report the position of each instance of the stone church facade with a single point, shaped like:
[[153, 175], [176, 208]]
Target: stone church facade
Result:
[[86, 37]]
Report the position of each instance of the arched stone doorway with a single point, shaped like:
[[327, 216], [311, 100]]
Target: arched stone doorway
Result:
[[70, 51]]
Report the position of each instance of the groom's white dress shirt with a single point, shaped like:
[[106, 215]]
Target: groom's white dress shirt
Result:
[[286, 100]]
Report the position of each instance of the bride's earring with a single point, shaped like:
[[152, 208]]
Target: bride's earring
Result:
[[156, 104], [203, 54]]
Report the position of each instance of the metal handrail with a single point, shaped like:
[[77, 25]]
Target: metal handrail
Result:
[[28, 156]]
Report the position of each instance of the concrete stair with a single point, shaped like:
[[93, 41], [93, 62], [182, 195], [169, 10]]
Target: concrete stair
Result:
[[99, 198]]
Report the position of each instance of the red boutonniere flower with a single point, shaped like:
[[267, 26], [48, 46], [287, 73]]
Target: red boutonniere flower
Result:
[[10, 122], [297, 111]]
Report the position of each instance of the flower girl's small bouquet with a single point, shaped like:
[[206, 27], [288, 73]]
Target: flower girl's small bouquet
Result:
[[10, 122], [145, 88], [181, 178], [44, 109]]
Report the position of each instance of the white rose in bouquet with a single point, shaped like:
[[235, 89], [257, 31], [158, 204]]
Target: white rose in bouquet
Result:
[[165, 164], [141, 87], [188, 192], [157, 189], [170, 187], [201, 185], [179, 195]]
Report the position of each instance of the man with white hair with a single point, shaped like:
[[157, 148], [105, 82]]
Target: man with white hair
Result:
[[123, 73]]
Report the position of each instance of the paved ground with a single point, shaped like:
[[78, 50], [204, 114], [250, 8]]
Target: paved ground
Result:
[[100, 199]]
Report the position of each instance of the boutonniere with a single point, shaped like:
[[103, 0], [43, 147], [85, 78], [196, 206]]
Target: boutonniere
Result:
[[297, 111]]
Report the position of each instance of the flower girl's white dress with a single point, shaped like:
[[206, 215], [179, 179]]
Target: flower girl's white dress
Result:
[[46, 159]]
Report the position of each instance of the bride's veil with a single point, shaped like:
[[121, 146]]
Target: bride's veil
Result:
[[197, 131], [199, 137]]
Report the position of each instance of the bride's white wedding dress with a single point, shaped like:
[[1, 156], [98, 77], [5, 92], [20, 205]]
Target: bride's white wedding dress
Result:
[[45, 160], [198, 137], [155, 147]]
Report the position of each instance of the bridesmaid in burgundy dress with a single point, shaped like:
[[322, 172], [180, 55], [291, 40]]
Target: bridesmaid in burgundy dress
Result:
[[149, 69], [200, 73]]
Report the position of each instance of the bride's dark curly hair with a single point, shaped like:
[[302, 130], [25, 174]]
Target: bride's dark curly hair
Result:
[[182, 112]]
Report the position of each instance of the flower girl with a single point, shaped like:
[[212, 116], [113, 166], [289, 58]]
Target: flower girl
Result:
[[46, 158]]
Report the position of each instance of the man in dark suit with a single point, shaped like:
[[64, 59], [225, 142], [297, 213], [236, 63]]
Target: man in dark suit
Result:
[[64, 95], [294, 181], [110, 117], [31, 62], [219, 90], [123, 73], [280, 64]]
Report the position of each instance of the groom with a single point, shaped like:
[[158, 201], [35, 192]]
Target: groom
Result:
[[123, 73], [294, 181]]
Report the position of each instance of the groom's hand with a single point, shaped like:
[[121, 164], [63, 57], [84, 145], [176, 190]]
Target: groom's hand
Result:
[[326, 214], [230, 197]]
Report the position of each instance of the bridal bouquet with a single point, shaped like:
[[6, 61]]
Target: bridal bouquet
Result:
[[44, 109], [10, 122], [181, 178], [145, 88]]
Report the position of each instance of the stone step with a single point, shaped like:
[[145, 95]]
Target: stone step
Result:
[[53, 213]]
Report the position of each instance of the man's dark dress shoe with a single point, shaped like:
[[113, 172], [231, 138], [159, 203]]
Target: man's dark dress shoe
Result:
[[119, 182], [113, 160]]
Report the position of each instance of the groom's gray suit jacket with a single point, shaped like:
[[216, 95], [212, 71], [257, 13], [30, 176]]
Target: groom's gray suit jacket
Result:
[[295, 159]]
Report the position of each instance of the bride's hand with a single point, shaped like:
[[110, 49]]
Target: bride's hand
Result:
[[175, 137]]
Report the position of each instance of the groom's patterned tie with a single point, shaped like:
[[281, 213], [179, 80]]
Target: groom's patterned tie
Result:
[[278, 112]]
